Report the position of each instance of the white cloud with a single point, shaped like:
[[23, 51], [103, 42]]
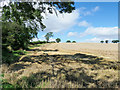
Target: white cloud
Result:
[[101, 33], [98, 33], [70, 34], [42, 39], [66, 20], [87, 13], [84, 12], [84, 24], [93, 40], [62, 22], [52, 39], [35, 39], [97, 40], [96, 9]]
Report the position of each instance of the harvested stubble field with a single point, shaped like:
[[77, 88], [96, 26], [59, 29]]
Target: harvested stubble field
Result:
[[109, 50], [66, 65]]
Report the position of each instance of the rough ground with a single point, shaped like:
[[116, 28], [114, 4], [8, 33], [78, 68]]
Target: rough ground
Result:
[[66, 65]]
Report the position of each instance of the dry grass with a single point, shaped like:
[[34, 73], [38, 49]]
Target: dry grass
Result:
[[56, 69], [108, 51]]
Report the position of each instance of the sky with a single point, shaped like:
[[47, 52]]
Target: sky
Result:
[[89, 22]]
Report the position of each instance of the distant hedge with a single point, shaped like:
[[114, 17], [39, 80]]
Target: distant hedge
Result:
[[41, 42], [38, 42]]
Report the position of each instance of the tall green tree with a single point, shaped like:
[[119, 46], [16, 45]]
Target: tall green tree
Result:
[[48, 36], [21, 21], [58, 40]]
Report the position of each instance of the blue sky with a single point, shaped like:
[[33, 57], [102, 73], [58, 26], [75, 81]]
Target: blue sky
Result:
[[90, 22]]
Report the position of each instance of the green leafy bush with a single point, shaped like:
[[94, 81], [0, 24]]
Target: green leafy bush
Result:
[[11, 56], [68, 41], [73, 41], [115, 41], [4, 84], [58, 40]]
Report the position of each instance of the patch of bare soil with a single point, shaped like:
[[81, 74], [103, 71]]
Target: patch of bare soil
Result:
[[48, 67]]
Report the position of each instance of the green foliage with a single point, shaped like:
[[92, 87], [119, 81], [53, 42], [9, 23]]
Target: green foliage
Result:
[[19, 52], [48, 35], [11, 56], [52, 42], [21, 20], [4, 84], [73, 41], [115, 41], [102, 41], [7, 85], [15, 35], [68, 41], [37, 42], [106, 41], [58, 40]]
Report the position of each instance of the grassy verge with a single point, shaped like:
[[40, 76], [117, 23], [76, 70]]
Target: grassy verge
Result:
[[36, 45], [9, 57]]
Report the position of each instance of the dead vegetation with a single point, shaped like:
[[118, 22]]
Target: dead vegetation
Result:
[[60, 70]]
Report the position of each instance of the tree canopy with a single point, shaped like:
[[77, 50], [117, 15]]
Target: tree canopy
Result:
[[115, 41], [21, 21], [68, 41], [73, 41], [48, 35], [102, 41], [58, 40]]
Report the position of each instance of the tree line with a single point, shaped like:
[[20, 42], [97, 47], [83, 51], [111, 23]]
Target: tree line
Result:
[[47, 37], [113, 41]]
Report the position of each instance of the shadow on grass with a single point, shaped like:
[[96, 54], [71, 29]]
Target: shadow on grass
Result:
[[9, 57], [86, 59], [17, 67], [64, 74], [58, 81]]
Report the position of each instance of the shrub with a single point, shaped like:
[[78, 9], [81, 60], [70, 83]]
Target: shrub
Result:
[[102, 41], [106, 41], [115, 41], [58, 40], [68, 41], [11, 56], [73, 41]]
